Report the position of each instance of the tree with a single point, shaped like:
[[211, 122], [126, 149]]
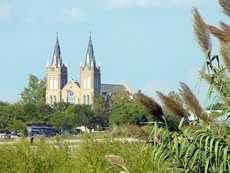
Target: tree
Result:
[[10, 119], [101, 111], [128, 113], [35, 91], [124, 110], [5, 116], [63, 120], [71, 117]]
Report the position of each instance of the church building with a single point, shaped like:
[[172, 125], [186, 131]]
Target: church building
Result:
[[59, 89]]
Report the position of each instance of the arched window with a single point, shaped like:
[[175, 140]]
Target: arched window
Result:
[[55, 83], [88, 83], [51, 100], [88, 100], [84, 83], [51, 83], [84, 99], [70, 97]]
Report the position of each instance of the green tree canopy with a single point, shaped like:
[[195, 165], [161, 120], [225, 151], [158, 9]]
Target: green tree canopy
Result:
[[126, 110], [35, 91], [72, 116]]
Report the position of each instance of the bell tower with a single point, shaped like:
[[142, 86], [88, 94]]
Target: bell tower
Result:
[[90, 76], [56, 76]]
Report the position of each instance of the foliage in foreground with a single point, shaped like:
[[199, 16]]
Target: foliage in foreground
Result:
[[194, 149], [24, 158], [88, 157], [201, 146]]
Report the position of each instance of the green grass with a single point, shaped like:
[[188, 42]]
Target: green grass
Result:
[[23, 158], [191, 150], [88, 157]]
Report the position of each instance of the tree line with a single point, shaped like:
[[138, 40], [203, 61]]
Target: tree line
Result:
[[31, 109]]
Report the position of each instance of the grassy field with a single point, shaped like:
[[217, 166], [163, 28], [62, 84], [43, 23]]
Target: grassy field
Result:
[[196, 150], [70, 155]]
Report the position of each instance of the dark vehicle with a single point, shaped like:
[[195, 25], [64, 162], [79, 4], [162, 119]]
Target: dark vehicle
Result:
[[41, 130], [8, 135]]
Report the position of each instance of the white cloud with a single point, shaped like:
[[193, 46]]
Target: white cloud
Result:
[[4, 11], [150, 3], [64, 15], [73, 15]]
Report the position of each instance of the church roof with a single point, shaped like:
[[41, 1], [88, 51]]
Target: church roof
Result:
[[77, 83], [57, 59], [70, 84], [109, 88], [90, 61]]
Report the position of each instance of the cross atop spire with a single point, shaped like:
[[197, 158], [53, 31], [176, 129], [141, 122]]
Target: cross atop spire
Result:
[[90, 61], [56, 59], [90, 35]]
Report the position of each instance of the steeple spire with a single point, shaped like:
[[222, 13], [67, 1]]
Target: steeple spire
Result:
[[90, 61], [57, 60]]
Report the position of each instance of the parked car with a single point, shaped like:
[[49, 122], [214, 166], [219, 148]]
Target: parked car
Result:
[[9, 135], [14, 135], [2, 134]]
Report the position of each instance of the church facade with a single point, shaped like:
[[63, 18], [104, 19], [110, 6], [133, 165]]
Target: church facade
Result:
[[59, 89]]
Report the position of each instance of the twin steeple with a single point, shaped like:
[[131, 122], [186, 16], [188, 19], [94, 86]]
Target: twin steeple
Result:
[[90, 61], [57, 59], [57, 78]]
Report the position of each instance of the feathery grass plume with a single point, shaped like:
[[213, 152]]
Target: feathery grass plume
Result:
[[151, 106], [225, 4], [193, 104], [220, 34], [207, 77], [225, 27], [225, 54], [173, 105], [201, 32], [117, 161]]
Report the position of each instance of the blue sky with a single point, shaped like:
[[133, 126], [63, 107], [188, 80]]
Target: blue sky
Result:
[[147, 44]]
